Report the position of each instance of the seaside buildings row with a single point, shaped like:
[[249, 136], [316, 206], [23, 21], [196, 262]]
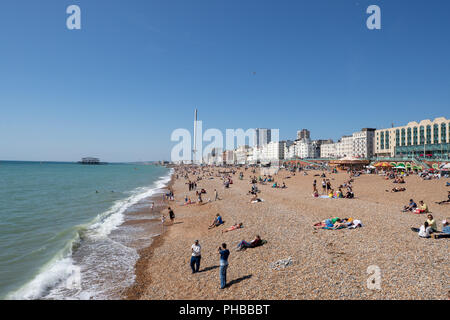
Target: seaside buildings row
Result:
[[424, 139]]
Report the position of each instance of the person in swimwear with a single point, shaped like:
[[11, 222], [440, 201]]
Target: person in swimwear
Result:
[[234, 227]]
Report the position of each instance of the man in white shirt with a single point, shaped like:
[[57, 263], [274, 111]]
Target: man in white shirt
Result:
[[196, 256], [425, 230]]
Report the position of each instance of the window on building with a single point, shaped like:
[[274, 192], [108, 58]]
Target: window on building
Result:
[[387, 140], [397, 138], [408, 136], [428, 134], [415, 136], [422, 135], [382, 140], [435, 134], [403, 137], [443, 133]]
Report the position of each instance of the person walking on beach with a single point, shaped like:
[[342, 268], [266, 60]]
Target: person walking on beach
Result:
[[224, 254], [171, 214], [196, 256], [216, 195]]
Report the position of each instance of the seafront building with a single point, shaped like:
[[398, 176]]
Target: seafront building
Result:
[[303, 134], [424, 139], [358, 145], [262, 137], [241, 154], [302, 148], [428, 139], [273, 150], [363, 143]]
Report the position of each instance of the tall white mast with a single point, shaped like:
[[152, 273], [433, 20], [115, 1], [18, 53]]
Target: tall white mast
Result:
[[194, 150]]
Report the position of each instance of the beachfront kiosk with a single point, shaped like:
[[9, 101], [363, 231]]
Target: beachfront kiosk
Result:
[[349, 163]]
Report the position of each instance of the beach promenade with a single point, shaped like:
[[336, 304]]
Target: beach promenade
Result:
[[326, 264]]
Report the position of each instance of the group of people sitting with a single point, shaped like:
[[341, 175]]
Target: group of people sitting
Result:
[[429, 229], [412, 207], [275, 185], [397, 189], [338, 223], [399, 180], [336, 194]]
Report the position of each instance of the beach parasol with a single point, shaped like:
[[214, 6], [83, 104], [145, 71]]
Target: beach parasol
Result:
[[383, 165]]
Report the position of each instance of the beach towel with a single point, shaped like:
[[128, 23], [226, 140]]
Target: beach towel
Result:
[[331, 228]]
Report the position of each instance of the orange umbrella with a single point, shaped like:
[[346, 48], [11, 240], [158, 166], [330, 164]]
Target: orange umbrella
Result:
[[383, 165]]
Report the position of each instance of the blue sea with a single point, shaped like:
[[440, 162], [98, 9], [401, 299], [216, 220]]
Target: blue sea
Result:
[[62, 230]]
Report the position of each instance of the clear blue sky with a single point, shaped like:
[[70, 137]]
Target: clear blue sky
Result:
[[136, 70]]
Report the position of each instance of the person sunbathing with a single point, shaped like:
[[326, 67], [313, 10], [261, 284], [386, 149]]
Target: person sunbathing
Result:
[[445, 201], [254, 243], [327, 223], [338, 224], [255, 199], [217, 222], [234, 227], [396, 189]]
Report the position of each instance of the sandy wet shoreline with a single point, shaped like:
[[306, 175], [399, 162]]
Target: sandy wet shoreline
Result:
[[326, 264]]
